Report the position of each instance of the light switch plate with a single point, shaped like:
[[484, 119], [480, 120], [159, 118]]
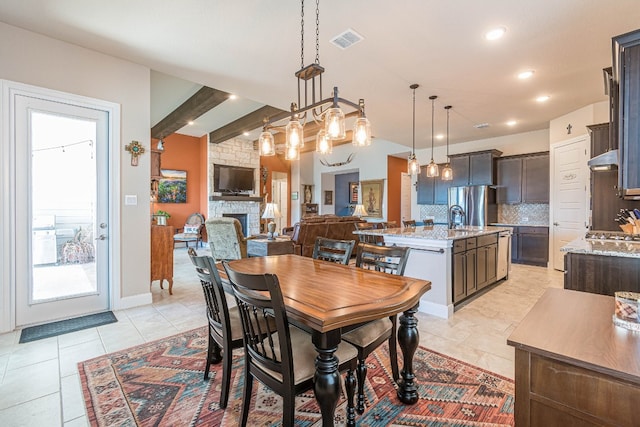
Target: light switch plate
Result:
[[130, 200]]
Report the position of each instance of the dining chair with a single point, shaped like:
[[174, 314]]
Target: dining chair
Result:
[[369, 238], [338, 251], [369, 336], [225, 328], [281, 357], [410, 223], [191, 231]]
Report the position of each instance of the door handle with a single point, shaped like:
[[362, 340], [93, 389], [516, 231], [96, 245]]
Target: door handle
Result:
[[101, 237], [556, 224]]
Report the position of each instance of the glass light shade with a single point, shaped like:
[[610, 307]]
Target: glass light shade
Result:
[[362, 132], [291, 153], [447, 173], [432, 169], [360, 211], [334, 123], [160, 146], [294, 134], [413, 167], [267, 144], [323, 144]]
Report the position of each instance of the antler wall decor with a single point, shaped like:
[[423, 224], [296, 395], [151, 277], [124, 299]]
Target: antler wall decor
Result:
[[346, 162]]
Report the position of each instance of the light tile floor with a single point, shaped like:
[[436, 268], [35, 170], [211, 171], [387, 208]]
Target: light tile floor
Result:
[[40, 386]]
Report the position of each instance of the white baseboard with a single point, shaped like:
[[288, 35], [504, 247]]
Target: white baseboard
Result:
[[438, 310], [133, 301]]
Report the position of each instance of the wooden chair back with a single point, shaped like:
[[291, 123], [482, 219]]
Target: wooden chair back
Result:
[[338, 251], [387, 259], [411, 223], [367, 238]]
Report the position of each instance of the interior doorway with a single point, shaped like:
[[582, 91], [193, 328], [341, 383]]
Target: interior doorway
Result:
[[280, 191]]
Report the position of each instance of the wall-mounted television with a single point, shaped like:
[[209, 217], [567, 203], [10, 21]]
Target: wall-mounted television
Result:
[[233, 179]]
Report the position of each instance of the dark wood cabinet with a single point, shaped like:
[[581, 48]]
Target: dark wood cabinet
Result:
[[432, 191], [626, 71], [605, 203], [162, 254], [474, 265], [523, 179], [601, 274], [474, 168], [487, 258], [530, 245]]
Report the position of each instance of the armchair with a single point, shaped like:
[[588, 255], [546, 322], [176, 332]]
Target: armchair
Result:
[[192, 230], [226, 240]]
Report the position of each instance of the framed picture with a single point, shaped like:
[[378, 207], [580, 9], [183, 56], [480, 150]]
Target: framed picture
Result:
[[372, 192], [294, 195], [328, 197], [173, 186], [353, 192]]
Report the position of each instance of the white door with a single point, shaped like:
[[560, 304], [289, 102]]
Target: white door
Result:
[[61, 195], [279, 193], [405, 196], [569, 183]]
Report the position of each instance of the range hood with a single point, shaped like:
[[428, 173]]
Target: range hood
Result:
[[605, 161]]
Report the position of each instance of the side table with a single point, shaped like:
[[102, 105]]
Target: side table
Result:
[[162, 254], [264, 247]]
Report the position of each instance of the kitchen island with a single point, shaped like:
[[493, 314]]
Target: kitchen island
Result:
[[602, 264], [457, 262]]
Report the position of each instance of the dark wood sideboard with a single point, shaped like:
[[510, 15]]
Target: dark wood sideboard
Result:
[[573, 366]]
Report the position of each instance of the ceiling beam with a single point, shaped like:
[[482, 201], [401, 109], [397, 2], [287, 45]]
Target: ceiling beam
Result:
[[199, 103], [246, 123]]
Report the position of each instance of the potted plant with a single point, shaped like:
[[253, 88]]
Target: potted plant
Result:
[[161, 217]]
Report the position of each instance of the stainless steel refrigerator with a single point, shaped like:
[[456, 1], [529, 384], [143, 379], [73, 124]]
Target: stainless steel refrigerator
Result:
[[478, 203]]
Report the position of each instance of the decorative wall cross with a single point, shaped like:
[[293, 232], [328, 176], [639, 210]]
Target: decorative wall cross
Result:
[[136, 150], [569, 129]]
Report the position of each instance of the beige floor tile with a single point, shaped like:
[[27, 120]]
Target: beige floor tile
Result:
[[30, 382], [33, 352], [70, 356], [72, 399], [78, 337], [44, 411], [78, 422]]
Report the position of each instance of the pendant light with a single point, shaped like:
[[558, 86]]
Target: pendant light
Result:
[[266, 143], [432, 167], [324, 145], [413, 167], [362, 128], [447, 172]]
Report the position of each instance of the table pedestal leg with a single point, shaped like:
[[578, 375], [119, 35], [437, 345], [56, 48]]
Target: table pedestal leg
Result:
[[408, 338], [326, 384]]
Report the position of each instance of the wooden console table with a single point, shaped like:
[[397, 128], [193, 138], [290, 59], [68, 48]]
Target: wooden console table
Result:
[[162, 254], [574, 367], [264, 247]]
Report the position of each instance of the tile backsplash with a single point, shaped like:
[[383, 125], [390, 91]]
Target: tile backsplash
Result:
[[525, 213]]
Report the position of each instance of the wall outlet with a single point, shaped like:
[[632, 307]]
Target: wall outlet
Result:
[[525, 219]]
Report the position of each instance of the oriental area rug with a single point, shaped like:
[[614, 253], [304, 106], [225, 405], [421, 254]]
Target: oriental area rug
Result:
[[161, 384]]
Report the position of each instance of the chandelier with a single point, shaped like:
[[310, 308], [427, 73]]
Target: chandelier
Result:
[[313, 113]]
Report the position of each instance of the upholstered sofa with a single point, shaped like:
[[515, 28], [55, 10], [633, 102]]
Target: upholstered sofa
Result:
[[304, 233]]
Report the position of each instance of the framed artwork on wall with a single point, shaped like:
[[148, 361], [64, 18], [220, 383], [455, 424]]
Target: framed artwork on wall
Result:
[[372, 192], [173, 186], [353, 192], [328, 197]]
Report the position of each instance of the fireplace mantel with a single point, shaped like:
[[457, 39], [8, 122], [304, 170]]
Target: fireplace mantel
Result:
[[236, 198]]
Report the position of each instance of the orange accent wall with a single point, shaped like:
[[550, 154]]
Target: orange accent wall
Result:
[[182, 152], [277, 164], [395, 167]]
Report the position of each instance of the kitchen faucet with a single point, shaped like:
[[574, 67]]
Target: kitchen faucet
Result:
[[454, 212]]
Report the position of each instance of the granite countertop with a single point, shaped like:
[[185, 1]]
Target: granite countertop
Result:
[[524, 224], [600, 247], [436, 232]]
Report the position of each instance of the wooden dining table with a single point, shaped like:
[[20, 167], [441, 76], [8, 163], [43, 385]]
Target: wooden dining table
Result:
[[327, 297]]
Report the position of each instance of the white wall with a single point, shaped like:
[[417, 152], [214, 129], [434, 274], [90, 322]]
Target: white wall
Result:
[[578, 119], [41, 61]]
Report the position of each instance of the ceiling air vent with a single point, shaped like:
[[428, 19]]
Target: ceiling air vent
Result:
[[481, 125], [346, 39]]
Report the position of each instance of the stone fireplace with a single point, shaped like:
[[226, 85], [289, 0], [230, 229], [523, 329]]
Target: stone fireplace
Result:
[[236, 152]]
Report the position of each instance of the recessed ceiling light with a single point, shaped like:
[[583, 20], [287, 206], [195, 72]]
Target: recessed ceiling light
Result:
[[495, 33], [190, 122], [543, 98], [512, 123], [439, 136], [526, 74], [245, 133], [233, 96]]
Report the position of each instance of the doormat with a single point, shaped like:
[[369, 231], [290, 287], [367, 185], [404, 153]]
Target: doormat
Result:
[[61, 327]]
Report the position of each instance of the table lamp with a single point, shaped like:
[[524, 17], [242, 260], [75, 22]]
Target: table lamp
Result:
[[360, 211], [271, 212]]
